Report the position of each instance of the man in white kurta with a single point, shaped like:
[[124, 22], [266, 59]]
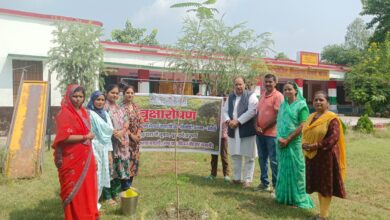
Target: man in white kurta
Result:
[[243, 150]]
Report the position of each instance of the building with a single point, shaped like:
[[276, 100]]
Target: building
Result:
[[26, 38]]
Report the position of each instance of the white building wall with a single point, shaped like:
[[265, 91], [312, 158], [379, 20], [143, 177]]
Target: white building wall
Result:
[[6, 91], [336, 75], [26, 39], [136, 59]]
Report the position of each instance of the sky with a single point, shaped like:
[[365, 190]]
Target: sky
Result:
[[295, 25]]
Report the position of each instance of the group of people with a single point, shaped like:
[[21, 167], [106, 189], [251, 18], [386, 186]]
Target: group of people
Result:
[[306, 152], [96, 149]]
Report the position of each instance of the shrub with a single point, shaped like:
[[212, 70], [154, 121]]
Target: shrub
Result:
[[365, 125]]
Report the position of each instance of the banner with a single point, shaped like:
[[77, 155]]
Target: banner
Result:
[[189, 123]]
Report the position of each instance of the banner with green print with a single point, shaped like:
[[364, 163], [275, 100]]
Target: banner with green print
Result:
[[187, 123]]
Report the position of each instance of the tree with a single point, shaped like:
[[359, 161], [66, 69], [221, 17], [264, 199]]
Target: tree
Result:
[[134, 35], [357, 36], [340, 54], [348, 53], [203, 10], [368, 83], [220, 52], [380, 11], [77, 56], [281, 56]]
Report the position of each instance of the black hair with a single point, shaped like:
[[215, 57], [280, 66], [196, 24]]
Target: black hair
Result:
[[270, 75], [128, 87], [322, 92], [80, 89], [111, 87]]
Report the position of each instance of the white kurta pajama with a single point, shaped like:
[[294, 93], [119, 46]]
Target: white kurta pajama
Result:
[[242, 150]]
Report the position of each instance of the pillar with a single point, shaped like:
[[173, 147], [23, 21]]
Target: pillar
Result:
[[143, 83], [332, 94], [258, 88], [203, 88]]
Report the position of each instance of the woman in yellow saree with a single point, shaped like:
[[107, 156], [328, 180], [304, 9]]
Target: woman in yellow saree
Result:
[[290, 185], [324, 148]]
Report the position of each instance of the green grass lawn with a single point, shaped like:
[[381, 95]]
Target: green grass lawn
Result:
[[367, 185]]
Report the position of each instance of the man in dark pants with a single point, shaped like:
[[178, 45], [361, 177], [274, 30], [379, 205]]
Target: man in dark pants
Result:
[[267, 111], [223, 153], [224, 158]]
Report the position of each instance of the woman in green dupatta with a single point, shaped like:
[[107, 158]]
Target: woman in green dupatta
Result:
[[291, 184]]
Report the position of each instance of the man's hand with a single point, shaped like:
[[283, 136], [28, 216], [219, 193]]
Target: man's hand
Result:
[[259, 130], [233, 124]]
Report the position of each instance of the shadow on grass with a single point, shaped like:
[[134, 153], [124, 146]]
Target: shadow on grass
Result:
[[46, 209], [259, 203]]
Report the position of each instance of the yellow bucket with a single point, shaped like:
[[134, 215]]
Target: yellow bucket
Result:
[[129, 201]]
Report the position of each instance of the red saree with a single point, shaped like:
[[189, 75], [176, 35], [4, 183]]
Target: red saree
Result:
[[75, 162]]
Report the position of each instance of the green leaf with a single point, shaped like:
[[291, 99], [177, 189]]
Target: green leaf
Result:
[[186, 5], [209, 2]]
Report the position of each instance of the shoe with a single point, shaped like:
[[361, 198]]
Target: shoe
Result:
[[227, 179], [210, 178], [246, 185], [263, 188]]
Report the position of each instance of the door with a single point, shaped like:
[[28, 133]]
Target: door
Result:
[[33, 70]]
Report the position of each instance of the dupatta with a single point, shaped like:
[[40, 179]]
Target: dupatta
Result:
[[71, 158], [288, 119], [101, 123], [315, 132]]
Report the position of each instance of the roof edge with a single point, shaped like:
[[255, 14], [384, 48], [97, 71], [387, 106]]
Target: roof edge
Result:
[[48, 17]]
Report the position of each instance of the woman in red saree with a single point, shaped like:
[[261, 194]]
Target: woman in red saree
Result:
[[73, 156]]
